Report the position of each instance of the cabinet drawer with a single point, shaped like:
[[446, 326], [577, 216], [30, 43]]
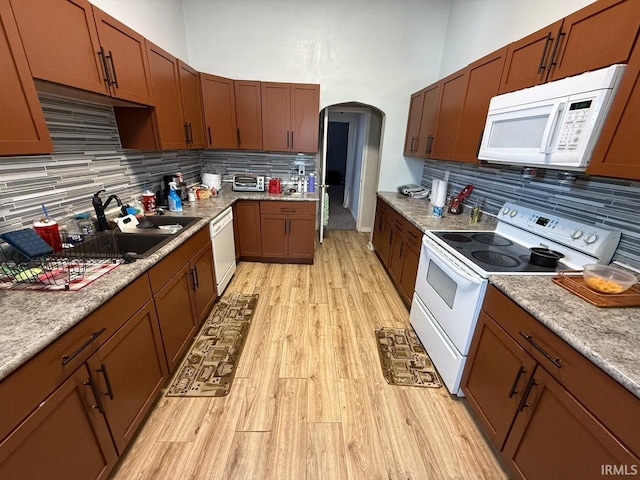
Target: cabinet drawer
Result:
[[166, 268], [413, 234], [382, 207], [288, 207], [25, 388], [609, 401]]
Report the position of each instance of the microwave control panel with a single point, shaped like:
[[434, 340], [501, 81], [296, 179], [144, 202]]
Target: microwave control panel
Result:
[[575, 123]]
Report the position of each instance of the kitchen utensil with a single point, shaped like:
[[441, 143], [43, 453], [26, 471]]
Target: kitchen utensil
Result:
[[607, 278], [544, 257], [456, 202]]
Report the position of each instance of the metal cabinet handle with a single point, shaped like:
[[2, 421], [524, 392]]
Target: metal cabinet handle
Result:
[[98, 404], [67, 358], [479, 142], [190, 133], [195, 277], [527, 392], [291, 139], [544, 53], [521, 370], [429, 144], [400, 255], [186, 132], [411, 147], [555, 49], [287, 210], [113, 68], [287, 139], [105, 67], [210, 138], [238, 135], [529, 338], [103, 370]]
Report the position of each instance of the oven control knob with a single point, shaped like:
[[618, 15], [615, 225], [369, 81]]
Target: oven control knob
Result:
[[505, 210], [513, 213], [576, 234], [590, 238]]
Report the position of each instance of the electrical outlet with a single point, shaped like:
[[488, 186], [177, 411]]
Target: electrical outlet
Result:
[[300, 169]]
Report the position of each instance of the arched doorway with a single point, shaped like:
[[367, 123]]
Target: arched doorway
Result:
[[349, 164]]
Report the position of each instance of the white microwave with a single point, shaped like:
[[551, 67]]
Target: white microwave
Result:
[[553, 125]]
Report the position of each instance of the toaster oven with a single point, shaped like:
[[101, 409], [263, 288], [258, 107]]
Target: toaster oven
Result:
[[248, 183]]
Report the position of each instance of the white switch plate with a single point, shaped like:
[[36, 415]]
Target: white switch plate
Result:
[[300, 169]]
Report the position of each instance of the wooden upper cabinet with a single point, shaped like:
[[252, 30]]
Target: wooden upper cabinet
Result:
[[125, 57], [61, 42], [219, 104], [166, 91], [483, 83], [22, 126], [305, 126], [617, 153], [248, 115], [290, 117], [192, 105], [413, 124], [449, 111], [600, 34], [276, 116], [428, 120], [527, 59]]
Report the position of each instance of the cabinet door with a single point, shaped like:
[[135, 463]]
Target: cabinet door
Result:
[[176, 315], [61, 42], [274, 230], [205, 280], [407, 280], [387, 238], [22, 126], [126, 59], [168, 102], [413, 124], [553, 436], [301, 236], [276, 116], [428, 120], [453, 89], [378, 227], [395, 254], [305, 123], [594, 37], [528, 58], [494, 378], [617, 153], [129, 370], [248, 115], [219, 104], [483, 83], [66, 437], [247, 219], [192, 104]]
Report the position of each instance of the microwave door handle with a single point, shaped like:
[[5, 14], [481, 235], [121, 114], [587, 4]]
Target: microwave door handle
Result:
[[550, 128]]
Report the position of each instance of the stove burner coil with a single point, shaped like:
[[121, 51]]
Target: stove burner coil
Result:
[[492, 239], [495, 258], [456, 237]]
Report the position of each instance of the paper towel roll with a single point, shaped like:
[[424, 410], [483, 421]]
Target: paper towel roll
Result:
[[441, 196]]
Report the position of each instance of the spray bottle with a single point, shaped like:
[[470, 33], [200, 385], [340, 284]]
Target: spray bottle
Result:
[[175, 204]]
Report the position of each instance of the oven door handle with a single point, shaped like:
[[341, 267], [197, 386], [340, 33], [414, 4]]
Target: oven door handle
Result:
[[445, 264]]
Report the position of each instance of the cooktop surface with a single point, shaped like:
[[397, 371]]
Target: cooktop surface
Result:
[[494, 253]]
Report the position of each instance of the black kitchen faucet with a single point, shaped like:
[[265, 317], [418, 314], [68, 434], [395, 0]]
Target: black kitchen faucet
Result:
[[99, 207]]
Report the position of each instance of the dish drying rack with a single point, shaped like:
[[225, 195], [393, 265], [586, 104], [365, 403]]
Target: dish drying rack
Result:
[[77, 257]]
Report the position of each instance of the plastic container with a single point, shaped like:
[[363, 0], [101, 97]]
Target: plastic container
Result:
[[175, 204], [49, 232], [312, 182], [607, 278]]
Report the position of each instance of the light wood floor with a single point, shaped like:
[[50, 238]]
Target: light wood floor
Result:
[[309, 400]]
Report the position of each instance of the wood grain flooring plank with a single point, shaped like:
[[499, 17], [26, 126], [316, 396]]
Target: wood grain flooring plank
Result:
[[326, 459], [185, 420], [247, 457], [294, 359]]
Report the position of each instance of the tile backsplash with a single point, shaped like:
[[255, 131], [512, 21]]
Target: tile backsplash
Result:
[[606, 202]]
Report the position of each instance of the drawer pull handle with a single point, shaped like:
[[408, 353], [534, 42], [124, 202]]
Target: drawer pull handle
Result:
[[288, 210], [67, 358], [98, 404], [521, 370], [103, 370], [529, 338]]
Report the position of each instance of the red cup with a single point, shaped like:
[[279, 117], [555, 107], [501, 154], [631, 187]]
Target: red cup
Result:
[[148, 202], [49, 232]]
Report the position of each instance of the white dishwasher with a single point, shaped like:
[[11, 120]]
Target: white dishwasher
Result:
[[224, 249]]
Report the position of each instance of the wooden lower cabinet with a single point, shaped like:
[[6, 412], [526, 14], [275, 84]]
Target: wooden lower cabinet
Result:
[[550, 412], [397, 244], [204, 278], [66, 437], [287, 231], [176, 315], [129, 370], [246, 219]]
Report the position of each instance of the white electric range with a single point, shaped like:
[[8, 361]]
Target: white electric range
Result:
[[455, 265]]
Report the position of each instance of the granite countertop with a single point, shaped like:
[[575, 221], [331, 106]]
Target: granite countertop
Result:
[[31, 320], [608, 337]]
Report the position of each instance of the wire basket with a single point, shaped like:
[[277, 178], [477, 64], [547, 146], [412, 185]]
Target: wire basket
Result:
[[60, 268]]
